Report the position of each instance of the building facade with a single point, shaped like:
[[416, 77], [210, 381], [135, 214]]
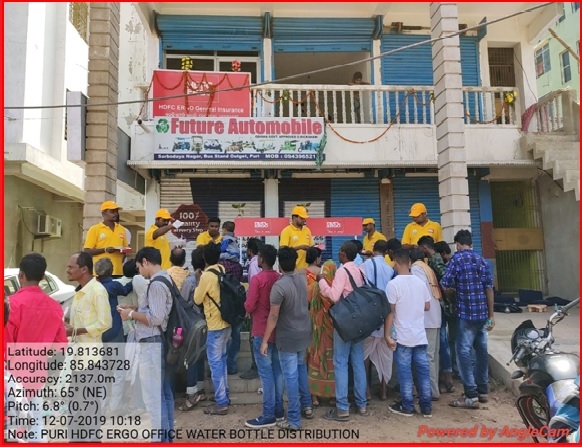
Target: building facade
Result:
[[556, 67]]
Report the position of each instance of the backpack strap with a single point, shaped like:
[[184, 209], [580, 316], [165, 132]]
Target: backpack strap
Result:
[[375, 273], [218, 274]]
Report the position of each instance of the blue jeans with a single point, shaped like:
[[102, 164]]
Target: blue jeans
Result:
[[445, 351], [216, 342], [473, 365], [342, 352], [294, 371], [233, 348], [409, 359], [156, 388], [195, 374], [271, 376]]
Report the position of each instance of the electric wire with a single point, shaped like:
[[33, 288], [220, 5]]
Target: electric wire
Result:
[[290, 77]]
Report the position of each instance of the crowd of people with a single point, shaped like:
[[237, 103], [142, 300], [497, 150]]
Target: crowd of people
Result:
[[441, 309]]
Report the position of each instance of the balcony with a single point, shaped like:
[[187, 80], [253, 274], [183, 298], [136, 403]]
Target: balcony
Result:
[[375, 126]]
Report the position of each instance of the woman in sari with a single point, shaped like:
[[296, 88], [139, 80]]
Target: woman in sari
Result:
[[320, 353]]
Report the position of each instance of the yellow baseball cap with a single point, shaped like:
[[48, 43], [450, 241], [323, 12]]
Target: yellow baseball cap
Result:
[[163, 214], [300, 211], [417, 209], [110, 205], [368, 220]]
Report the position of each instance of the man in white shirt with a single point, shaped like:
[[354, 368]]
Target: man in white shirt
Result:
[[409, 299], [342, 351]]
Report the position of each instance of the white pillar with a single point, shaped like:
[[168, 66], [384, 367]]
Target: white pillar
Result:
[[152, 201], [272, 205], [449, 120], [377, 68]]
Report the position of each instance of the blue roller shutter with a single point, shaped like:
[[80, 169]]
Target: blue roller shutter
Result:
[[354, 197], [409, 190], [414, 66], [182, 32], [299, 35]]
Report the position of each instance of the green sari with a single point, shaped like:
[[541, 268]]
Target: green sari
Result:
[[320, 353]]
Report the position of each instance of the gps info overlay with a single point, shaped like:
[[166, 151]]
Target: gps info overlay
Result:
[[81, 392]]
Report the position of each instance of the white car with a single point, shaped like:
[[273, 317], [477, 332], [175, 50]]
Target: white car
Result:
[[51, 285]]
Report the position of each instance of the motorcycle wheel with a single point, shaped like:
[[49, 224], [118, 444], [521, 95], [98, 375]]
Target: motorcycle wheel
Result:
[[533, 412]]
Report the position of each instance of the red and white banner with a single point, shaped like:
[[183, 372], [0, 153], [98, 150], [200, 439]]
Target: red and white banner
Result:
[[319, 226], [216, 93]]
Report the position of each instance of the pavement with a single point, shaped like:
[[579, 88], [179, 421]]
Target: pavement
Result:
[[566, 335]]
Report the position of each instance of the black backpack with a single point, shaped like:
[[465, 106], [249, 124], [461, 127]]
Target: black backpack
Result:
[[360, 313], [186, 315], [232, 298]]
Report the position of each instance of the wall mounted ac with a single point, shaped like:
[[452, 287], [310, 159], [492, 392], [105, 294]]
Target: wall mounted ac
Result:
[[49, 226]]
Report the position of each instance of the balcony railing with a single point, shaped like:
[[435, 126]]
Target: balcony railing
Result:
[[385, 104], [557, 111]]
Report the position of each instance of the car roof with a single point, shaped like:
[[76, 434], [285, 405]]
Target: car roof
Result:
[[14, 272]]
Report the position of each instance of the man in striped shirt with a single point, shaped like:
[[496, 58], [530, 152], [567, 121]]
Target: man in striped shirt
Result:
[[151, 320]]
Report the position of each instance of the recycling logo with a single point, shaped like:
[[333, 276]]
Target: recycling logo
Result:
[[163, 126]]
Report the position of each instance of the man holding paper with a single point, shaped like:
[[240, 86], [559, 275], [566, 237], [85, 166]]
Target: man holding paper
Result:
[[156, 235]]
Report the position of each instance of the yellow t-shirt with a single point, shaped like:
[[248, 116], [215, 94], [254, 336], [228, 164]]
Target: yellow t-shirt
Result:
[[413, 232], [209, 285], [292, 237], [161, 243], [389, 261], [205, 238], [369, 242], [101, 236]]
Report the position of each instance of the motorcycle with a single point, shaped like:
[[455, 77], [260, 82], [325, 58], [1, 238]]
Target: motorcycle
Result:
[[547, 373]]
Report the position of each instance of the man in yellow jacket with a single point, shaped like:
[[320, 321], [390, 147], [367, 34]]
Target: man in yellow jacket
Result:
[[297, 235], [156, 236]]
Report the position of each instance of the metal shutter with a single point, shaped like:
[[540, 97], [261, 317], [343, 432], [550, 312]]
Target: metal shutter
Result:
[[184, 32], [299, 35], [354, 197]]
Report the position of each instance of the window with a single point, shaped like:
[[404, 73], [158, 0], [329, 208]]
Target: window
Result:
[[575, 6], [566, 70], [79, 17], [215, 61], [47, 285], [562, 17], [543, 60]]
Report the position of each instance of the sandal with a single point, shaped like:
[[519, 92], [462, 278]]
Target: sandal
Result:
[[466, 404], [315, 401], [215, 410], [363, 412], [191, 400], [307, 413]]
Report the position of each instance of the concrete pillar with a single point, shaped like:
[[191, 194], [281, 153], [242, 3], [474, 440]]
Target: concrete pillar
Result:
[[272, 205], [101, 156], [377, 76], [450, 126]]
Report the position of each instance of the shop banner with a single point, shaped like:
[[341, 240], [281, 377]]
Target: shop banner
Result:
[[319, 226], [242, 139], [213, 93]]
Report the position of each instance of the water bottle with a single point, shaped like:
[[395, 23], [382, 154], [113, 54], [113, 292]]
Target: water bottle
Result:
[[177, 337], [393, 334]]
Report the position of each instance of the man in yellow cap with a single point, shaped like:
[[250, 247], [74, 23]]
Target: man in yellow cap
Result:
[[107, 239], [372, 236], [156, 236], [297, 236], [420, 226]]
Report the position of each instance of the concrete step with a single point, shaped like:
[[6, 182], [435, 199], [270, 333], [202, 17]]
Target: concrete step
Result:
[[528, 141], [551, 154], [559, 167], [577, 190], [236, 385], [571, 179]]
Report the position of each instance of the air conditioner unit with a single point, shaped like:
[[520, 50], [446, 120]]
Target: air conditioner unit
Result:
[[49, 226]]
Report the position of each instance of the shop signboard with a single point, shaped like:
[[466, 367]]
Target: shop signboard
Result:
[[211, 93], [194, 220], [240, 139], [319, 226]]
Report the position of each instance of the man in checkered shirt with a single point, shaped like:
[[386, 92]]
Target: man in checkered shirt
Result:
[[469, 274]]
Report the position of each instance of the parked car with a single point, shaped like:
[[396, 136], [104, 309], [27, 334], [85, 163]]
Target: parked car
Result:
[[212, 145], [51, 285]]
